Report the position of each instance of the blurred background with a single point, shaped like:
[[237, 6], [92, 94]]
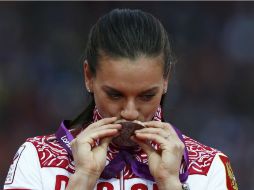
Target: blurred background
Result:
[[211, 92]]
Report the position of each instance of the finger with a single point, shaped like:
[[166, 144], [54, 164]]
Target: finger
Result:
[[102, 128], [151, 137], [108, 126], [105, 141], [156, 124], [171, 145], [92, 137], [163, 125], [75, 145], [159, 131], [104, 133], [101, 150]]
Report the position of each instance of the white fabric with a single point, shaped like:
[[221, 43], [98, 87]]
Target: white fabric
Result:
[[35, 168]]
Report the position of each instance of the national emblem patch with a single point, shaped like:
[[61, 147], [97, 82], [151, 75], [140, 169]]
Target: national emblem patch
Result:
[[231, 181]]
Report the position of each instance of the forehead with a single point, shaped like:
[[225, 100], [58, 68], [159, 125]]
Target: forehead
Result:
[[122, 72]]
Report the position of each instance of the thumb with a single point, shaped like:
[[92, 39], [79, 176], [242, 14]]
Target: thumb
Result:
[[144, 145], [101, 150], [105, 142]]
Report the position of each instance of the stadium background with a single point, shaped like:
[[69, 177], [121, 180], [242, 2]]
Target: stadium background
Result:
[[211, 93]]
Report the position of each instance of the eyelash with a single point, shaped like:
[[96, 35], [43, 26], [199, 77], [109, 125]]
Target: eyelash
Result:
[[146, 97], [114, 96]]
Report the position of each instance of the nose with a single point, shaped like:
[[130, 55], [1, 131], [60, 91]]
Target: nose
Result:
[[130, 111]]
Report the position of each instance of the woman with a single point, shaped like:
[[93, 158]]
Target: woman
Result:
[[127, 66]]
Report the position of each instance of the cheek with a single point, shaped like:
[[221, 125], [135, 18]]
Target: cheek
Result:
[[148, 109], [106, 108]]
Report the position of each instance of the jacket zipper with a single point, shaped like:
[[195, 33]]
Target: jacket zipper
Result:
[[121, 181]]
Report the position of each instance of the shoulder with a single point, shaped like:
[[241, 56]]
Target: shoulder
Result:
[[26, 160], [201, 156], [210, 163], [51, 153]]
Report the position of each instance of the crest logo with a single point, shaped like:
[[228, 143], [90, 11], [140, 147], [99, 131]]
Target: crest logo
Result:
[[231, 181]]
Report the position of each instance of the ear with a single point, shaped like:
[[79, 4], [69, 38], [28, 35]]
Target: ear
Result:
[[88, 77]]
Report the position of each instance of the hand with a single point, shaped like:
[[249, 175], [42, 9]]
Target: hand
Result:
[[164, 163], [89, 159]]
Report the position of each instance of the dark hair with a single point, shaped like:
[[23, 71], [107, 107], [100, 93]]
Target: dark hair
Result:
[[125, 33]]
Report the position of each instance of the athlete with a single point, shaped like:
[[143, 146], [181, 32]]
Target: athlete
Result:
[[121, 141]]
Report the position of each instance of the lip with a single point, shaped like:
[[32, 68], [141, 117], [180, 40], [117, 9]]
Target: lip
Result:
[[128, 129]]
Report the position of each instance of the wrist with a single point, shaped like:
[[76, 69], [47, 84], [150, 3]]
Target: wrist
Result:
[[170, 184], [81, 180]]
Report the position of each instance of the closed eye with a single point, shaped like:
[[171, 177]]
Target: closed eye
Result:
[[114, 96], [147, 97]]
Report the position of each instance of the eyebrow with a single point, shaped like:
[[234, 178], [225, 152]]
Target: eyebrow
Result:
[[151, 90]]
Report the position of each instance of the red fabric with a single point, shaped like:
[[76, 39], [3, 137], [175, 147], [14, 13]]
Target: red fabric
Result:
[[51, 153], [231, 182], [200, 156]]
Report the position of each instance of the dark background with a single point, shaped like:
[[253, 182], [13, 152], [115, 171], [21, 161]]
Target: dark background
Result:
[[211, 94]]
